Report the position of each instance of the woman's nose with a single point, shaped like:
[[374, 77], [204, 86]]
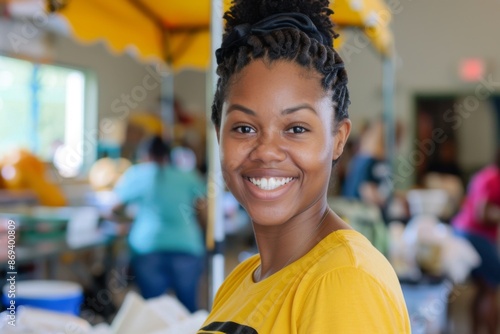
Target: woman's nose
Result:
[[268, 148]]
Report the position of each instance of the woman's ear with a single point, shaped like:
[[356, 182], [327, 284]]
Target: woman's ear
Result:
[[342, 131]]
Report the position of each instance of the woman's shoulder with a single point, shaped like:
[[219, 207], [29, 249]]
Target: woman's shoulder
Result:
[[352, 275], [237, 277], [349, 261], [143, 167], [182, 174], [349, 250], [344, 247]]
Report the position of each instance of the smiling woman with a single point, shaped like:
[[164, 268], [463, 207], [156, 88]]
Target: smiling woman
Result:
[[280, 112], [277, 128]]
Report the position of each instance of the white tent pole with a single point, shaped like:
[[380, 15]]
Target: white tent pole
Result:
[[215, 231], [389, 112], [167, 103]]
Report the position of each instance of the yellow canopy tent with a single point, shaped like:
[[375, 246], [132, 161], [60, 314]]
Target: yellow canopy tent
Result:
[[178, 32]]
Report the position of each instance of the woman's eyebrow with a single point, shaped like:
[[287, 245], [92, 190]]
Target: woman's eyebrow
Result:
[[291, 110], [241, 108], [286, 111]]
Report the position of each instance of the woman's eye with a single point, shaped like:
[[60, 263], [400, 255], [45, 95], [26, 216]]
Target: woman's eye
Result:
[[244, 129], [297, 129]]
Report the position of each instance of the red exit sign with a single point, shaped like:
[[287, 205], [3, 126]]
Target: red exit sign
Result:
[[472, 69]]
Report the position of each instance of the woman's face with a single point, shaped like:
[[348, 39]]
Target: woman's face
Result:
[[277, 140]]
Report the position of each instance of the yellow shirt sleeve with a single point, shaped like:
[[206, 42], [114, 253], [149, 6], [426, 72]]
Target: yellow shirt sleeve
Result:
[[349, 300]]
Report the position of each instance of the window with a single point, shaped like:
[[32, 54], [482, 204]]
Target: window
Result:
[[42, 110]]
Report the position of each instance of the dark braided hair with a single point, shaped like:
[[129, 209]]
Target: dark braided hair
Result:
[[155, 148], [284, 44]]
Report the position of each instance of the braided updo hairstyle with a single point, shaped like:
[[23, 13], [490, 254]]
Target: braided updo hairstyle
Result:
[[283, 44]]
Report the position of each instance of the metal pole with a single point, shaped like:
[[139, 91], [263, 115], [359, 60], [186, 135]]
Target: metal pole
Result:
[[167, 103], [389, 111], [215, 227], [389, 118]]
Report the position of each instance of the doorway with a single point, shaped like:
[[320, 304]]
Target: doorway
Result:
[[458, 133]]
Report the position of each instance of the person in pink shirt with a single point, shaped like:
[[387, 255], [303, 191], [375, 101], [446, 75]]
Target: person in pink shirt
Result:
[[478, 221]]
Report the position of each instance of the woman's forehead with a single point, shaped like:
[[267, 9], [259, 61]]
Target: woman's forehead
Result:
[[271, 92], [279, 77]]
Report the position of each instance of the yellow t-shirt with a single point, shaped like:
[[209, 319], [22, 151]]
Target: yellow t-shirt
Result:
[[343, 285]]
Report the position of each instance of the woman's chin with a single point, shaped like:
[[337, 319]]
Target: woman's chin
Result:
[[264, 218]]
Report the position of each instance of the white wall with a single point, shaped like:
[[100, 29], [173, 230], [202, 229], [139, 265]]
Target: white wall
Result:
[[190, 88], [477, 137]]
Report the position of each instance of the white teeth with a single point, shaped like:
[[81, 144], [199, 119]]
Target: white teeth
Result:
[[271, 183]]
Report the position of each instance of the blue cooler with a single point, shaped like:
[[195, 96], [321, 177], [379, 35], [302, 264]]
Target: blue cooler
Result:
[[58, 296]]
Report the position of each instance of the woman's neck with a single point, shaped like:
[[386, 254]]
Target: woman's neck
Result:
[[283, 244]]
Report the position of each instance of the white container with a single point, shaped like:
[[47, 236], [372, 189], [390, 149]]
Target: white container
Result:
[[432, 202]]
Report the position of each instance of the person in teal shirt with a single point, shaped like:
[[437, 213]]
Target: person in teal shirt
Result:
[[166, 239]]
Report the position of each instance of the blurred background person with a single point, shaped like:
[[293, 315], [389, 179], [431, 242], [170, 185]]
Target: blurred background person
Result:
[[445, 174], [165, 238], [478, 221], [368, 175]]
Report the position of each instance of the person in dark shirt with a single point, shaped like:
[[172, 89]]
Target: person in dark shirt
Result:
[[368, 176]]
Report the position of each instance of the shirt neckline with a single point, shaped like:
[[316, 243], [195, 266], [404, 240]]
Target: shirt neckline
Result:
[[290, 270]]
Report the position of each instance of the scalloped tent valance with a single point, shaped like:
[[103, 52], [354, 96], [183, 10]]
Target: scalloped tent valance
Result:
[[178, 32]]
